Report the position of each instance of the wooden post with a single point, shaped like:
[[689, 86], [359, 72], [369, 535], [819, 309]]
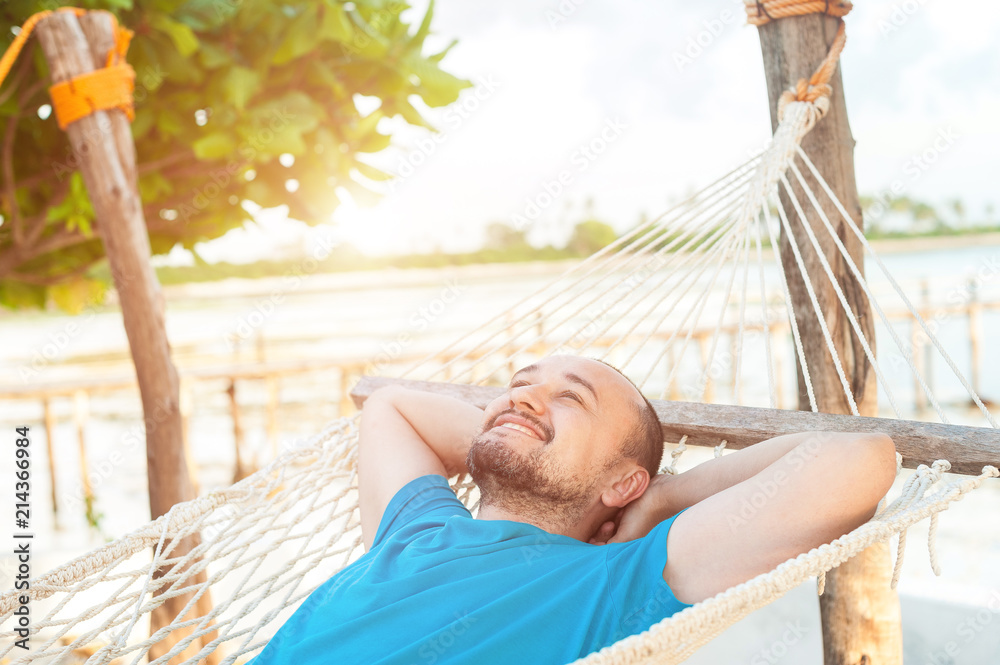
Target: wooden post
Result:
[[346, 406], [927, 315], [185, 405], [779, 376], [273, 399], [733, 353], [102, 144], [860, 613], [975, 334], [241, 471], [672, 359], [916, 352], [708, 389], [186, 402], [81, 414], [50, 428], [260, 346]]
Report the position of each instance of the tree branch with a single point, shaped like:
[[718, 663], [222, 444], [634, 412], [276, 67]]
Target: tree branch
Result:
[[7, 163], [37, 225], [22, 71], [146, 167], [50, 280]]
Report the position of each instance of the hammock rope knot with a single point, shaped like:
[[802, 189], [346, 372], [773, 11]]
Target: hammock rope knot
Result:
[[816, 89], [760, 12]]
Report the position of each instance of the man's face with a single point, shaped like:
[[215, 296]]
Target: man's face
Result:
[[551, 438]]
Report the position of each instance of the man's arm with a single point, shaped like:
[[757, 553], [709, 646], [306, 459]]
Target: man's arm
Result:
[[406, 434], [821, 486], [668, 495], [697, 484]]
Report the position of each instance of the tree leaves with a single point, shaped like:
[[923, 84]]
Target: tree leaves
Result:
[[223, 89], [75, 295], [75, 209], [217, 145], [417, 41], [335, 25], [182, 35], [239, 84], [18, 295], [437, 87], [302, 37]]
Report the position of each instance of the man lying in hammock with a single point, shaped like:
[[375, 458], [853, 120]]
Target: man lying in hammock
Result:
[[578, 541]]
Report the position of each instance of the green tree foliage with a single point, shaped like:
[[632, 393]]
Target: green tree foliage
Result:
[[236, 101], [590, 236], [502, 237]]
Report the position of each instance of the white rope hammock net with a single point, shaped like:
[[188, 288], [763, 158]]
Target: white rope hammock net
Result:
[[270, 539]]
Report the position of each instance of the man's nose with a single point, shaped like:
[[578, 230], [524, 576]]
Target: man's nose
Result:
[[528, 398]]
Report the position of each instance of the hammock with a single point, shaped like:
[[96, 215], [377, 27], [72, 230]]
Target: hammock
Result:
[[269, 540]]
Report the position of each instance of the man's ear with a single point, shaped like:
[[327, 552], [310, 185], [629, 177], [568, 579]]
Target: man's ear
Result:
[[627, 489]]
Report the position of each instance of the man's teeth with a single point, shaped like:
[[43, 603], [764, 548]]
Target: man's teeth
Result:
[[520, 428]]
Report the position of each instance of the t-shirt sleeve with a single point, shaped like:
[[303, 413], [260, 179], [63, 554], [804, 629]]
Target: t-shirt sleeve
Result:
[[635, 580], [423, 501]]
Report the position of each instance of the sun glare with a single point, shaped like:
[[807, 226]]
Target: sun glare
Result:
[[373, 230]]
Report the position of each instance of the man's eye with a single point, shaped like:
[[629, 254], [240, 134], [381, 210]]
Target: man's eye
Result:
[[574, 396], [518, 384]]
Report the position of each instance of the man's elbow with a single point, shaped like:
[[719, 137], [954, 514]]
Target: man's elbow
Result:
[[384, 395]]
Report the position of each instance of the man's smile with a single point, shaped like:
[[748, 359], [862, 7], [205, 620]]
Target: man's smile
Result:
[[519, 424]]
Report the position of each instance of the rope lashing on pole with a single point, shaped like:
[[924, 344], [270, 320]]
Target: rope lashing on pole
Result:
[[109, 87], [816, 89]]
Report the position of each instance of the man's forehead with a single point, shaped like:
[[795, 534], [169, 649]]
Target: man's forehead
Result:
[[589, 373]]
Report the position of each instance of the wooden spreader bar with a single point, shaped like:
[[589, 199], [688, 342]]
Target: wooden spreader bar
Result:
[[968, 449]]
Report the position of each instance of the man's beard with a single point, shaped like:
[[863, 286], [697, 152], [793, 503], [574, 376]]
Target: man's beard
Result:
[[528, 484]]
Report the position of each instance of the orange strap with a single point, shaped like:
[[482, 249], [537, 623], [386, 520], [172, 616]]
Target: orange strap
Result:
[[107, 88]]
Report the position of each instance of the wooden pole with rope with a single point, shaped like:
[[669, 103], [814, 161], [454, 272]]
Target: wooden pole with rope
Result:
[[801, 43], [92, 99]]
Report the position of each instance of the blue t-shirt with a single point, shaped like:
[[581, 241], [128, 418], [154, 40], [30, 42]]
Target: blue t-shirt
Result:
[[440, 587]]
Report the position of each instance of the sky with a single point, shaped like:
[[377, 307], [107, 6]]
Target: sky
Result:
[[673, 94]]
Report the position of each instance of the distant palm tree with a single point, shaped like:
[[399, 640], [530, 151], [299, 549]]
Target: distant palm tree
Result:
[[958, 208]]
